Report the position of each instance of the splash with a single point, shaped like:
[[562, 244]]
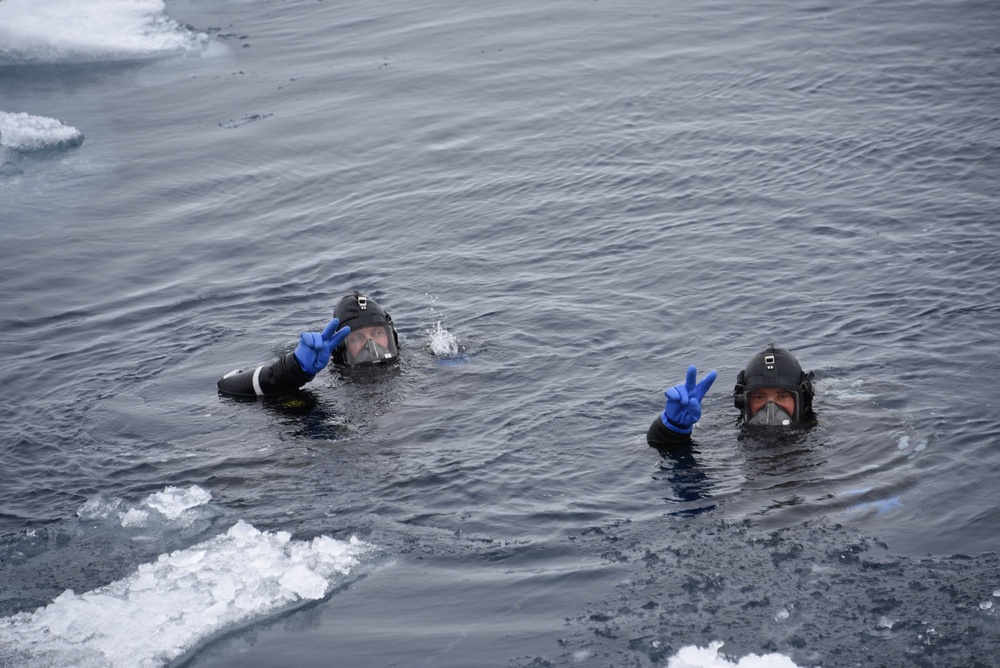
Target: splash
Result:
[[443, 342]]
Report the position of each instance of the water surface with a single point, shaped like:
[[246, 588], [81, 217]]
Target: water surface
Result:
[[562, 206]]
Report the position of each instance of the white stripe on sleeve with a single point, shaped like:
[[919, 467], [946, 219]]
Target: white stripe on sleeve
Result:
[[256, 381]]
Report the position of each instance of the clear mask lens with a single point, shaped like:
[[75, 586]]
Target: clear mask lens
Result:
[[771, 415], [373, 344]]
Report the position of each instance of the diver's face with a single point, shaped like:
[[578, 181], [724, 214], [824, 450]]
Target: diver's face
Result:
[[357, 339], [783, 399]]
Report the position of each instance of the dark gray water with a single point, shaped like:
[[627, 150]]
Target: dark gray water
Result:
[[562, 205]]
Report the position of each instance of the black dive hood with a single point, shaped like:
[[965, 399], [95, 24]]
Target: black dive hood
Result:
[[359, 312], [775, 368]]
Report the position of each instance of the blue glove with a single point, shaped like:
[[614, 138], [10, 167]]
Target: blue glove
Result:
[[684, 402], [313, 351]]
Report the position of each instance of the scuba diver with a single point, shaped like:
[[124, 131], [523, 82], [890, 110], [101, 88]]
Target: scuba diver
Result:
[[361, 333], [771, 392]]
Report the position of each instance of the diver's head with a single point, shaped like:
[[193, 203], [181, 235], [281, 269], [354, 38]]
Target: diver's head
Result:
[[373, 339], [773, 391]]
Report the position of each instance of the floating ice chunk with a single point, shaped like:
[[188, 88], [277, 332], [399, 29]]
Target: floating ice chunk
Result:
[[171, 504], [171, 606], [986, 605], [135, 518], [243, 532], [66, 31], [708, 657], [304, 582], [100, 508], [173, 501], [781, 615], [187, 558], [24, 132], [144, 580], [884, 622]]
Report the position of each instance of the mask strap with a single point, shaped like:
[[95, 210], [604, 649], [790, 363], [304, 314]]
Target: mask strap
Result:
[[738, 399]]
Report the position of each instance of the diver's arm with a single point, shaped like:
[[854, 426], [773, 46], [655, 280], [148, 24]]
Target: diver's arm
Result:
[[672, 428], [290, 372], [662, 438], [280, 376]]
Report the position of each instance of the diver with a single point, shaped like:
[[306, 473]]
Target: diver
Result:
[[772, 392], [361, 333]]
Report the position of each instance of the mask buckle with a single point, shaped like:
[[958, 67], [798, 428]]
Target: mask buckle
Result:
[[362, 302]]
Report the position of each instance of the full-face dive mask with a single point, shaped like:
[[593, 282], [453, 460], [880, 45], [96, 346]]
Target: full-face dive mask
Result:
[[373, 339], [369, 345], [771, 415], [773, 391]]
